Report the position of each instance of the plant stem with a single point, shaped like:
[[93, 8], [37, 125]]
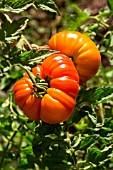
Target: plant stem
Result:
[[37, 85], [101, 112], [29, 73], [6, 148]]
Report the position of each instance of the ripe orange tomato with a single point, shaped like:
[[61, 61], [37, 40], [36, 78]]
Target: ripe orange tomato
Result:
[[58, 102], [81, 48], [25, 98]]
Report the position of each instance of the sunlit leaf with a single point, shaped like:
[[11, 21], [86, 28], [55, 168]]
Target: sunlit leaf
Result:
[[74, 20], [110, 4], [97, 156], [86, 142], [10, 29], [96, 94], [16, 6]]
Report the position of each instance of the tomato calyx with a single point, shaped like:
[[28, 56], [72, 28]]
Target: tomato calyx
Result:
[[47, 79], [40, 86]]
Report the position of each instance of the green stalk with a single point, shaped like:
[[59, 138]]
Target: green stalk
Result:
[[37, 85], [6, 148]]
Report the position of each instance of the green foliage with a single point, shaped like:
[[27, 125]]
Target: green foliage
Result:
[[96, 94], [75, 17], [110, 4], [85, 141], [21, 5]]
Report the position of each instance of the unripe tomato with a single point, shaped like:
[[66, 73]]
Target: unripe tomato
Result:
[[57, 104], [81, 48]]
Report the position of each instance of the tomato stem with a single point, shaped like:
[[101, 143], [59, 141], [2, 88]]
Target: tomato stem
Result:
[[7, 146], [32, 77], [45, 47], [38, 83]]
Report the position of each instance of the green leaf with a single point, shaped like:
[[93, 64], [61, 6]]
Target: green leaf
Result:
[[74, 20], [31, 160], [81, 112], [86, 142], [104, 131], [96, 94], [16, 6], [110, 4], [10, 29], [78, 114], [76, 141], [30, 58], [47, 5], [7, 8], [40, 145], [27, 150], [97, 156], [102, 140], [48, 129], [55, 163]]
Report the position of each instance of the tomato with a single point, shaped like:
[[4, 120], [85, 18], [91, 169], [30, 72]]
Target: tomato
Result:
[[56, 106], [60, 70], [57, 103], [25, 98], [81, 49]]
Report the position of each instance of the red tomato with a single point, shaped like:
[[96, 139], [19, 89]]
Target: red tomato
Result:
[[81, 48], [59, 101]]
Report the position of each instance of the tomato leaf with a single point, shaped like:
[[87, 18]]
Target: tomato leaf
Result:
[[40, 145], [97, 156], [76, 141], [31, 58], [19, 6], [78, 114], [47, 5], [48, 129], [110, 4], [11, 29], [16, 4], [86, 142], [96, 94], [74, 20], [104, 130]]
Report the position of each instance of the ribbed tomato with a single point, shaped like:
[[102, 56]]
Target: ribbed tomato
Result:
[[81, 48], [25, 98], [58, 102]]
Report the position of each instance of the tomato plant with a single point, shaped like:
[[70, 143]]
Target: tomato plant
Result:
[[57, 81], [81, 49], [85, 140]]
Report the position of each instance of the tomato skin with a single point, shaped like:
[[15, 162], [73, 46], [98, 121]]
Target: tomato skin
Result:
[[81, 48], [61, 94], [56, 106], [25, 98], [70, 87], [59, 65], [62, 73]]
